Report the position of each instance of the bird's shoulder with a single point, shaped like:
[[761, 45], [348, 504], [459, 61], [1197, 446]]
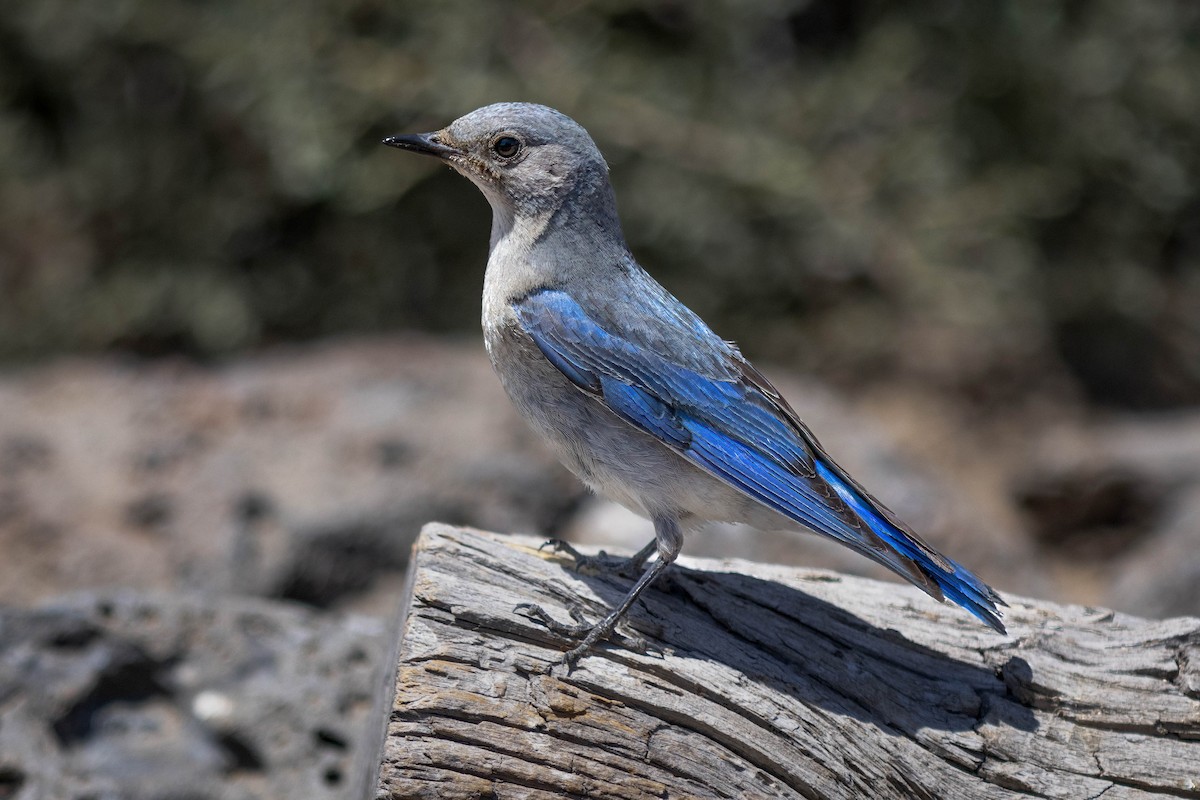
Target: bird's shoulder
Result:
[[627, 304]]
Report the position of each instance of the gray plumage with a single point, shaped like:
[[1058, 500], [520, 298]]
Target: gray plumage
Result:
[[636, 395]]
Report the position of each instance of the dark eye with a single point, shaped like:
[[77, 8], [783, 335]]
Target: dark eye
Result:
[[506, 146]]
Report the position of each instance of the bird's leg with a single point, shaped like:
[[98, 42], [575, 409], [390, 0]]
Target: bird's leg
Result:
[[668, 542], [602, 562]]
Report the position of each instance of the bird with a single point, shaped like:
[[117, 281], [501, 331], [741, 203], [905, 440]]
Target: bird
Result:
[[635, 394]]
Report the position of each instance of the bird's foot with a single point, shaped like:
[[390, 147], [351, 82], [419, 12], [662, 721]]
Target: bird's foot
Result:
[[587, 634], [601, 563]]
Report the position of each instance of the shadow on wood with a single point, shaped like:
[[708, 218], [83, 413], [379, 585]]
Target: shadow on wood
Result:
[[764, 681]]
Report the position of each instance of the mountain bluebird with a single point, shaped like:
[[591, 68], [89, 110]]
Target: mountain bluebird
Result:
[[634, 393]]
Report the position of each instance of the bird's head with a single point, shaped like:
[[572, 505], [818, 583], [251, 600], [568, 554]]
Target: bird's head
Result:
[[525, 158]]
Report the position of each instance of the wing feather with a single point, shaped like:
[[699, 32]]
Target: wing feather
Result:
[[732, 423]]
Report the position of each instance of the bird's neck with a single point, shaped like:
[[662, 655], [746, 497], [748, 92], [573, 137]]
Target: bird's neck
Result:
[[569, 243], [577, 221], [510, 229]]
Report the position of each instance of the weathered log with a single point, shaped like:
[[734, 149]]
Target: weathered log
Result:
[[761, 681]]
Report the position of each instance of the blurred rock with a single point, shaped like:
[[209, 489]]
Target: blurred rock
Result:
[[138, 696], [1121, 499], [302, 474], [1161, 578]]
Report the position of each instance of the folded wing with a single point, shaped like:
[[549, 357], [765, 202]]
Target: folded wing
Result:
[[733, 424]]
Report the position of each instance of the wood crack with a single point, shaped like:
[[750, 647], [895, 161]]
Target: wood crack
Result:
[[846, 689]]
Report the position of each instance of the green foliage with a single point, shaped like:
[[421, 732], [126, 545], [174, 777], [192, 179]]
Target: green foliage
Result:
[[995, 198]]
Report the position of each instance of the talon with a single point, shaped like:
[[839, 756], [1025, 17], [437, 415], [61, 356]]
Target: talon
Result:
[[572, 656], [576, 611], [563, 546], [602, 563], [532, 609], [538, 614], [588, 636]]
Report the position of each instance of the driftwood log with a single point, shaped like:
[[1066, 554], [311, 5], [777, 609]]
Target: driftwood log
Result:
[[759, 681]]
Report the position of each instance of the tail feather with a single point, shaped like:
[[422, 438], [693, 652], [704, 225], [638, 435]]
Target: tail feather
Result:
[[955, 581]]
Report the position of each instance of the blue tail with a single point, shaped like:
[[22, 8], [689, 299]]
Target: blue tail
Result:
[[955, 581]]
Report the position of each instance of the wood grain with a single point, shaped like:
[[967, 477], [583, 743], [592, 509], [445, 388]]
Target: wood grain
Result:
[[761, 681]]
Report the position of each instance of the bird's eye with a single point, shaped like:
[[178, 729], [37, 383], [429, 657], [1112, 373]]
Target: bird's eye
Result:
[[506, 146]]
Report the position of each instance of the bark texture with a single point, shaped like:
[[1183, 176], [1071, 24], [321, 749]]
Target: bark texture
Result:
[[760, 681]]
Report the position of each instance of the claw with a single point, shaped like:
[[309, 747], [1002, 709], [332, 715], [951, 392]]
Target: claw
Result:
[[538, 614], [591, 635], [601, 563], [587, 634]]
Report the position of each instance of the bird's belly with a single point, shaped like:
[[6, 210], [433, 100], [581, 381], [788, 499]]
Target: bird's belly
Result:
[[608, 454]]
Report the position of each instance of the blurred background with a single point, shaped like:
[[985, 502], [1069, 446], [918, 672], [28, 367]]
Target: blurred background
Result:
[[239, 347], [998, 200], [973, 224]]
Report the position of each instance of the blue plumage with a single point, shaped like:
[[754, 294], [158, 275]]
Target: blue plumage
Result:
[[636, 395], [739, 431]]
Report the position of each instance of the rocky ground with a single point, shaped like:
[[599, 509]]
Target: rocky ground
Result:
[[136, 694], [202, 566]]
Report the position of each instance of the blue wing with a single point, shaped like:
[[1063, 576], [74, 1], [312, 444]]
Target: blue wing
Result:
[[718, 412]]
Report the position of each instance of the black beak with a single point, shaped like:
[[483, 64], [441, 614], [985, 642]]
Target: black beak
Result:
[[423, 143]]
